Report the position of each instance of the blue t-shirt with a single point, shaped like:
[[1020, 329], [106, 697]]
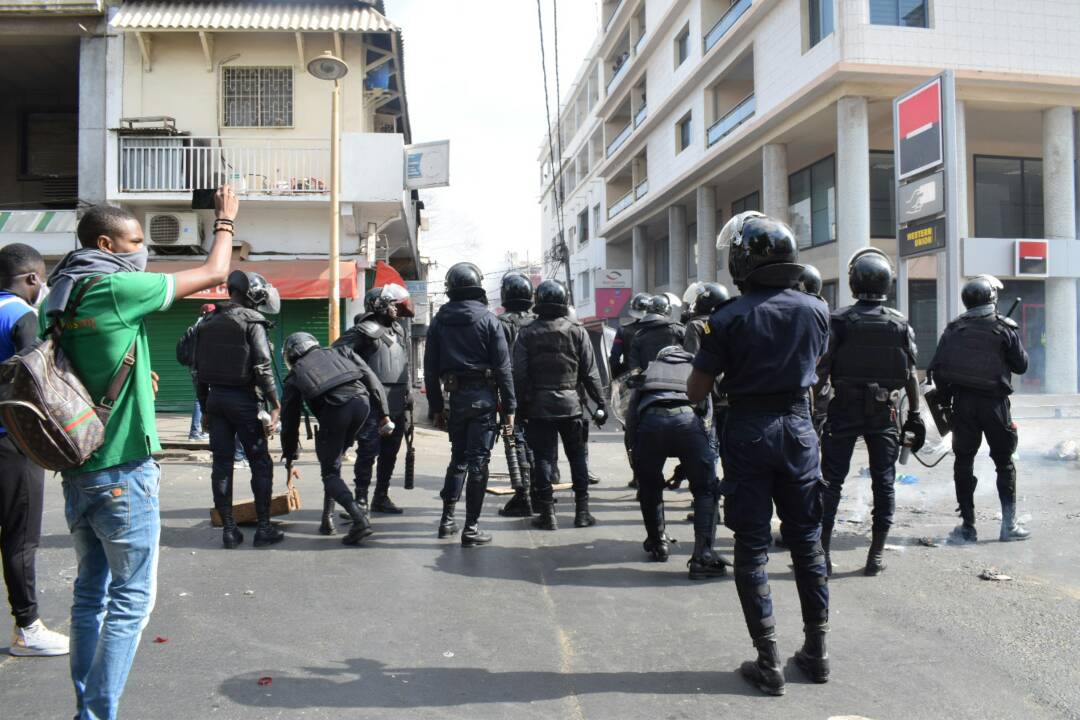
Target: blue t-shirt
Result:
[[18, 326], [766, 341]]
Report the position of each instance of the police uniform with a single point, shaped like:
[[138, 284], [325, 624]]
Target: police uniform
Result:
[[974, 362], [520, 505], [235, 378], [652, 334], [345, 394], [618, 359], [466, 350], [383, 348], [552, 358], [664, 423], [871, 359]]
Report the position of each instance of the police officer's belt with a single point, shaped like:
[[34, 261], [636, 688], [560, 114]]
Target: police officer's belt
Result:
[[467, 379], [667, 410], [776, 402]]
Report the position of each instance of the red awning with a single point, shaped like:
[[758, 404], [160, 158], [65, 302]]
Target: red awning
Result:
[[294, 279]]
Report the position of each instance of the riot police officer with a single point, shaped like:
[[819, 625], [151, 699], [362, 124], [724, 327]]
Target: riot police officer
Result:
[[710, 296], [870, 360], [466, 351], [379, 339], [234, 368], [810, 281], [666, 424], [516, 294], [973, 366], [552, 357], [766, 343], [624, 334], [343, 392], [655, 331]]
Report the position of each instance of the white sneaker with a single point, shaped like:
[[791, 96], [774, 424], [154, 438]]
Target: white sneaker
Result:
[[37, 641]]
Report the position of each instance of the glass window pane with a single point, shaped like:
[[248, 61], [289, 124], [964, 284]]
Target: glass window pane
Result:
[[882, 196], [1033, 199], [913, 13], [661, 272], [998, 198], [884, 12], [799, 209], [823, 201], [691, 251]]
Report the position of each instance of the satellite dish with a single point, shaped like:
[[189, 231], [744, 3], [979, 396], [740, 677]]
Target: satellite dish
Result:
[[328, 67]]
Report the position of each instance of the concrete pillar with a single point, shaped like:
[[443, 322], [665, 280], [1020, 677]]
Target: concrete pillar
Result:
[[639, 259], [94, 98], [706, 233], [774, 181], [677, 248], [852, 185], [1059, 220]]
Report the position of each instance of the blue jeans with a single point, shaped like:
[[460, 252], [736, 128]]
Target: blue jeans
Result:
[[115, 523], [196, 421]]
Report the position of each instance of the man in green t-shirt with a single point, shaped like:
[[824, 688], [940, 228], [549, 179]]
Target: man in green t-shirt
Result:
[[112, 500]]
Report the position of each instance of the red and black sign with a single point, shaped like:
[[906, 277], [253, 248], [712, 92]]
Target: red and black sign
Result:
[[1032, 258], [918, 136]]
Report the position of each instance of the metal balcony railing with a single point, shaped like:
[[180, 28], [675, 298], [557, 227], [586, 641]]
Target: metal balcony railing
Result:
[[734, 118], [619, 74], [607, 22], [621, 204], [253, 166], [619, 139], [640, 42], [641, 115], [724, 24], [641, 189]]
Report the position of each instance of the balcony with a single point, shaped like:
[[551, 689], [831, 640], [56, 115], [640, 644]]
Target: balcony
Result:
[[254, 166], [733, 119], [619, 139], [641, 115], [641, 189], [725, 22], [621, 204], [619, 74]]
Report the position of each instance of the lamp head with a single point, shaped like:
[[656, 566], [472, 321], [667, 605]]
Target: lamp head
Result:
[[328, 67]]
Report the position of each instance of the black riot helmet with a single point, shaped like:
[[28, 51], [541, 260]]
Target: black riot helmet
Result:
[[870, 274], [659, 306], [712, 296], [380, 300], [552, 299], [297, 346], [516, 292], [639, 305], [980, 290], [256, 292], [810, 280], [464, 282], [761, 251]]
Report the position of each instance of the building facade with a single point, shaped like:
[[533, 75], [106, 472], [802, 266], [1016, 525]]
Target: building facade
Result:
[[712, 107]]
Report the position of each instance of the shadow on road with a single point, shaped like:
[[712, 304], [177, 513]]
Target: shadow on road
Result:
[[363, 683]]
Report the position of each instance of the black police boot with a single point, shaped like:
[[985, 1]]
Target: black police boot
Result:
[[965, 531], [231, 536], [632, 483], [382, 503], [265, 533], [594, 479], [326, 527], [546, 519], [472, 535], [826, 540], [361, 523], [704, 564], [518, 506], [813, 658], [875, 559], [447, 526], [582, 516], [659, 548], [1010, 529], [361, 500], [764, 673]]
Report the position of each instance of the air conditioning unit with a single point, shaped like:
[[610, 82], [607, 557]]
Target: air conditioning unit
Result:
[[173, 229]]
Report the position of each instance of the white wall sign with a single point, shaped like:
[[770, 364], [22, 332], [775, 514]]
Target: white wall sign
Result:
[[427, 165], [614, 278]]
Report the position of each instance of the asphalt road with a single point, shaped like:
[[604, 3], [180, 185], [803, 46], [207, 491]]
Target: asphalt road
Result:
[[575, 623]]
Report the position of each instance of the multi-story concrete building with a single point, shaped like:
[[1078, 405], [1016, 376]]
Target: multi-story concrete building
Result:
[[711, 107]]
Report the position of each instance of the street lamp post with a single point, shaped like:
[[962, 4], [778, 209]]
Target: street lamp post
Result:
[[328, 67]]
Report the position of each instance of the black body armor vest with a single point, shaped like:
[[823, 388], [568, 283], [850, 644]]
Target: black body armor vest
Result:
[[222, 352], [553, 359], [971, 354], [873, 349], [322, 370]]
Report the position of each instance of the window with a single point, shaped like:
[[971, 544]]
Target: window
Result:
[[596, 219], [743, 204], [683, 134], [904, 13], [257, 97], [828, 293], [820, 20], [48, 144], [682, 46], [812, 198], [1008, 197], [882, 195], [573, 236], [661, 266], [584, 286], [583, 226], [691, 250]]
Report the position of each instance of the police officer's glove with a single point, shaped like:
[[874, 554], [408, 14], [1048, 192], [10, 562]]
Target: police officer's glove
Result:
[[386, 427], [600, 417], [914, 431]]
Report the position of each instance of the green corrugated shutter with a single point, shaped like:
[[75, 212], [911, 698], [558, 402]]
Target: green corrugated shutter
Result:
[[175, 392]]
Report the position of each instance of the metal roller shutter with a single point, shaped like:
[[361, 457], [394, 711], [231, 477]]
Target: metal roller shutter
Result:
[[175, 392]]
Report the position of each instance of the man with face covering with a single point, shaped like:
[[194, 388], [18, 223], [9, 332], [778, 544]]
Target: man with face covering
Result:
[[112, 499], [235, 373]]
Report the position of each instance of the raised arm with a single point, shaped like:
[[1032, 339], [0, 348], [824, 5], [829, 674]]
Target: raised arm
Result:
[[215, 270]]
